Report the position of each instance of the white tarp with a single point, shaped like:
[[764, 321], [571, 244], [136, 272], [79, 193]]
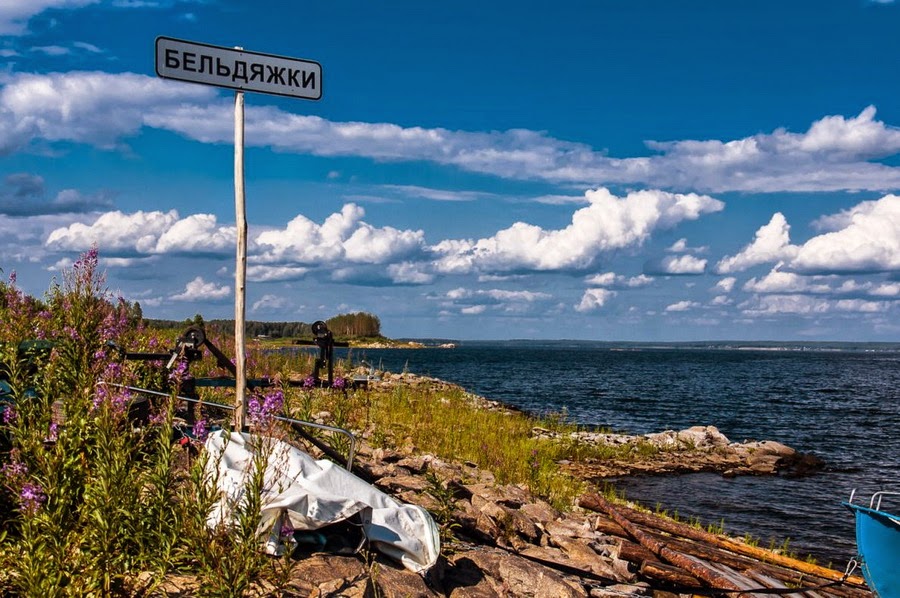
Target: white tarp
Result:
[[312, 494]]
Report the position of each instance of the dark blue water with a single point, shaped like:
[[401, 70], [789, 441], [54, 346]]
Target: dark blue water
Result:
[[843, 406]]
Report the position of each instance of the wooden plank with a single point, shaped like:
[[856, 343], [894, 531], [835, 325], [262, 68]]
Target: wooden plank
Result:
[[744, 583], [769, 581]]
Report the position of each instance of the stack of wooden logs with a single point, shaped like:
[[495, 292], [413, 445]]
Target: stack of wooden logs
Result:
[[691, 560]]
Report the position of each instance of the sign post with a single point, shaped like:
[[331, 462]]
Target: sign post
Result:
[[235, 68], [240, 269]]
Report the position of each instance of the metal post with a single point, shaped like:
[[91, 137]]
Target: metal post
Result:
[[240, 273]]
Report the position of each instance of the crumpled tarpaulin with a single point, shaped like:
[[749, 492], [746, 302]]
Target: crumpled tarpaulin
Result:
[[312, 494]]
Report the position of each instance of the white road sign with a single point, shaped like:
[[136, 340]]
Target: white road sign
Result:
[[238, 69]]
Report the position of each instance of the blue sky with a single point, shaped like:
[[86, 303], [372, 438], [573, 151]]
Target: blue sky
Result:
[[610, 170]]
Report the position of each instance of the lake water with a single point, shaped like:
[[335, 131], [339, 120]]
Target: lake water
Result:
[[841, 405]]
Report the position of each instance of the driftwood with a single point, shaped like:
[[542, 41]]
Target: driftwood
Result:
[[686, 531], [669, 574], [689, 564], [683, 556], [746, 564], [635, 553]]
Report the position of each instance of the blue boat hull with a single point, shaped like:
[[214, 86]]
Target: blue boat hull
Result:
[[878, 543]]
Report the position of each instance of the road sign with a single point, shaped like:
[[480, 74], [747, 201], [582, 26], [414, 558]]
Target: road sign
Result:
[[242, 71], [238, 69]]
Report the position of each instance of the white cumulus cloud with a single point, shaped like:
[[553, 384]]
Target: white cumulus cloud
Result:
[[778, 281], [835, 153], [265, 273], [771, 243], [681, 264], [888, 290], [343, 236], [409, 273], [476, 301], [200, 290], [608, 223], [865, 238], [726, 284], [682, 306], [146, 233], [594, 299], [611, 279], [88, 107], [808, 305], [269, 303]]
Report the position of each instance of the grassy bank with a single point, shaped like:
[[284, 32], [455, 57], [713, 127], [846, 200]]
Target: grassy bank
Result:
[[91, 504]]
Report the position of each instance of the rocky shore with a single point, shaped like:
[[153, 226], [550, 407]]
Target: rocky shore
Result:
[[699, 448], [499, 540], [502, 541]]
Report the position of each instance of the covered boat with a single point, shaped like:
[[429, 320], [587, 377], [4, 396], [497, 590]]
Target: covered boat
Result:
[[878, 544]]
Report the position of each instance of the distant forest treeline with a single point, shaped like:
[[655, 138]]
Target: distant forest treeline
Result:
[[355, 325]]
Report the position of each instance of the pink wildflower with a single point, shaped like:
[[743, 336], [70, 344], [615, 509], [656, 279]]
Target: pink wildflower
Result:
[[32, 498], [201, 430]]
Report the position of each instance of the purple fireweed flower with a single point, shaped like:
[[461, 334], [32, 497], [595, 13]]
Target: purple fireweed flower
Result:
[[13, 471], [121, 400], [253, 404], [287, 529], [118, 400], [115, 322], [262, 411], [42, 320], [9, 415], [113, 371], [31, 498], [158, 418], [101, 394], [52, 433], [339, 383], [12, 277], [309, 382], [88, 260], [201, 430], [180, 372], [274, 401]]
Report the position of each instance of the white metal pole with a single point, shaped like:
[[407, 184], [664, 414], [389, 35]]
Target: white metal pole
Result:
[[240, 272]]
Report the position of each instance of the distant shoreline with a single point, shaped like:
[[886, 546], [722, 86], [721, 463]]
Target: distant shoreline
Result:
[[770, 346], [818, 346]]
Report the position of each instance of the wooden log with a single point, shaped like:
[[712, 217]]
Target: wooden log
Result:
[[668, 574], [746, 564], [635, 553], [607, 526], [691, 565], [590, 501]]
